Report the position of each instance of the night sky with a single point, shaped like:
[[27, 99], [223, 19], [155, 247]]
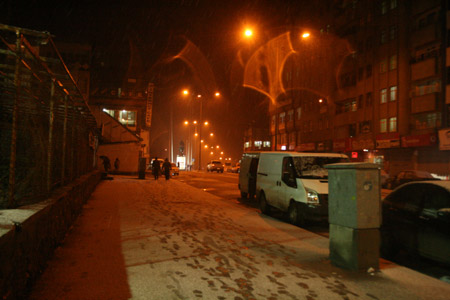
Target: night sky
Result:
[[156, 28]]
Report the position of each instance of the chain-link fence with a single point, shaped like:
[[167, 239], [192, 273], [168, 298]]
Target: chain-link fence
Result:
[[47, 132]]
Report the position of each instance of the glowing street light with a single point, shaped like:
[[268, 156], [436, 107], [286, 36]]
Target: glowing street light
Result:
[[186, 93], [305, 35], [248, 33]]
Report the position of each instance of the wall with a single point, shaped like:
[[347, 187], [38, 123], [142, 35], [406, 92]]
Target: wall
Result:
[[30, 234], [128, 154]]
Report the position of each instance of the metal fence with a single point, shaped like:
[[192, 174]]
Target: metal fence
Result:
[[47, 131]]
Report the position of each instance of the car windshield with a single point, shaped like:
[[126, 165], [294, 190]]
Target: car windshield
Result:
[[313, 167]]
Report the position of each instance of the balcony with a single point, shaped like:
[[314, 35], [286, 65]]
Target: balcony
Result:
[[423, 69], [423, 36], [424, 103]]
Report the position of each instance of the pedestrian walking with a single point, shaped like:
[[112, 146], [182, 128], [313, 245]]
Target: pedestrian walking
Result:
[[116, 164], [106, 163], [167, 167], [156, 168]]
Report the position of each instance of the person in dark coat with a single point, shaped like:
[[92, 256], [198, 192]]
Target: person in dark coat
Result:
[[116, 164], [166, 168], [156, 168], [106, 163]]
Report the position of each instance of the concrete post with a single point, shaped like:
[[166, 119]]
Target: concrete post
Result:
[[354, 208]]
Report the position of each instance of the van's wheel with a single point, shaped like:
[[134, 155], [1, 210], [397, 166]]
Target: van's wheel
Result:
[[295, 214], [263, 205]]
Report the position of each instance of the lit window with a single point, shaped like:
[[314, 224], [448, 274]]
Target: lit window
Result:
[[383, 124], [384, 6], [383, 36], [282, 118], [392, 32], [290, 115], [393, 124], [383, 66], [354, 105], [393, 62], [299, 113], [383, 96], [258, 144], [266, 144], [393, 4], [247, 145], [393, 93]]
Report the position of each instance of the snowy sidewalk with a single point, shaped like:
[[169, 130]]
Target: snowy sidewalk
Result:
[[146, 239]]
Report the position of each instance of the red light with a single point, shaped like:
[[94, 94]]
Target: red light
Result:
[[354, 154]]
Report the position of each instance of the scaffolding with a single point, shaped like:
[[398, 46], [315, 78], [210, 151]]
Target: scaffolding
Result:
[[48, 134]]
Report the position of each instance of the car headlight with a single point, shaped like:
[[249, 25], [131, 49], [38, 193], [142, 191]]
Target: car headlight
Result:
[[312, 197]]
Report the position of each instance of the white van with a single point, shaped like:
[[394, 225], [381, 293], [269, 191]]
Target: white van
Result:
[[247, 174], [295, 182]]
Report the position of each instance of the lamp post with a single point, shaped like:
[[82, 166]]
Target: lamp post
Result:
[[216, 94]]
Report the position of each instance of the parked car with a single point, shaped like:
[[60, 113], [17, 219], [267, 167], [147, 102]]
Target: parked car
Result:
[[215, 165], [407, 176], [416, 218], [227, 167], [236, 168], [175, 170]]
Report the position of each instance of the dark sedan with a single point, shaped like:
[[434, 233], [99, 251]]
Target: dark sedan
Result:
[[407, 176], [416, 218]]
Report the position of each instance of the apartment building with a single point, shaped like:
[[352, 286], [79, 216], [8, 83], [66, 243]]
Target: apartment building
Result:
[[388, 101]]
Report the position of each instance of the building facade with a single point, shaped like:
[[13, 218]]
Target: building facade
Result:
[[388, 102]]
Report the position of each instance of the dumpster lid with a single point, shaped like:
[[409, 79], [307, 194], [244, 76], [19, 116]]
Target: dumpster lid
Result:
[[355, 165]]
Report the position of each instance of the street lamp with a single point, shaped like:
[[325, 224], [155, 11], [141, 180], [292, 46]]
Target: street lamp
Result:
[[216, 94]]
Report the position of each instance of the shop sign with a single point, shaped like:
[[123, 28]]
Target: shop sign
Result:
[[306, 147], [419, 140], [444, 139], [383, 144], [149, 107], [324, 146], [388, 140], [363, 144], [342, 145]]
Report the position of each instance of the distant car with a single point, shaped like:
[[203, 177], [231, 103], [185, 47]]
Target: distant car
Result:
[[236, 168], [215, 165], [416, 218], [227, 167], [407, 176], [149, 166], [175, 170]]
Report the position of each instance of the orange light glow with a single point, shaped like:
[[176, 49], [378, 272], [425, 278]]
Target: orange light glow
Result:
[[195, 122], [217, 94], [305, 35], [196, 134], [206, 123], [185, 92], [248, 32], [186, 123]]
